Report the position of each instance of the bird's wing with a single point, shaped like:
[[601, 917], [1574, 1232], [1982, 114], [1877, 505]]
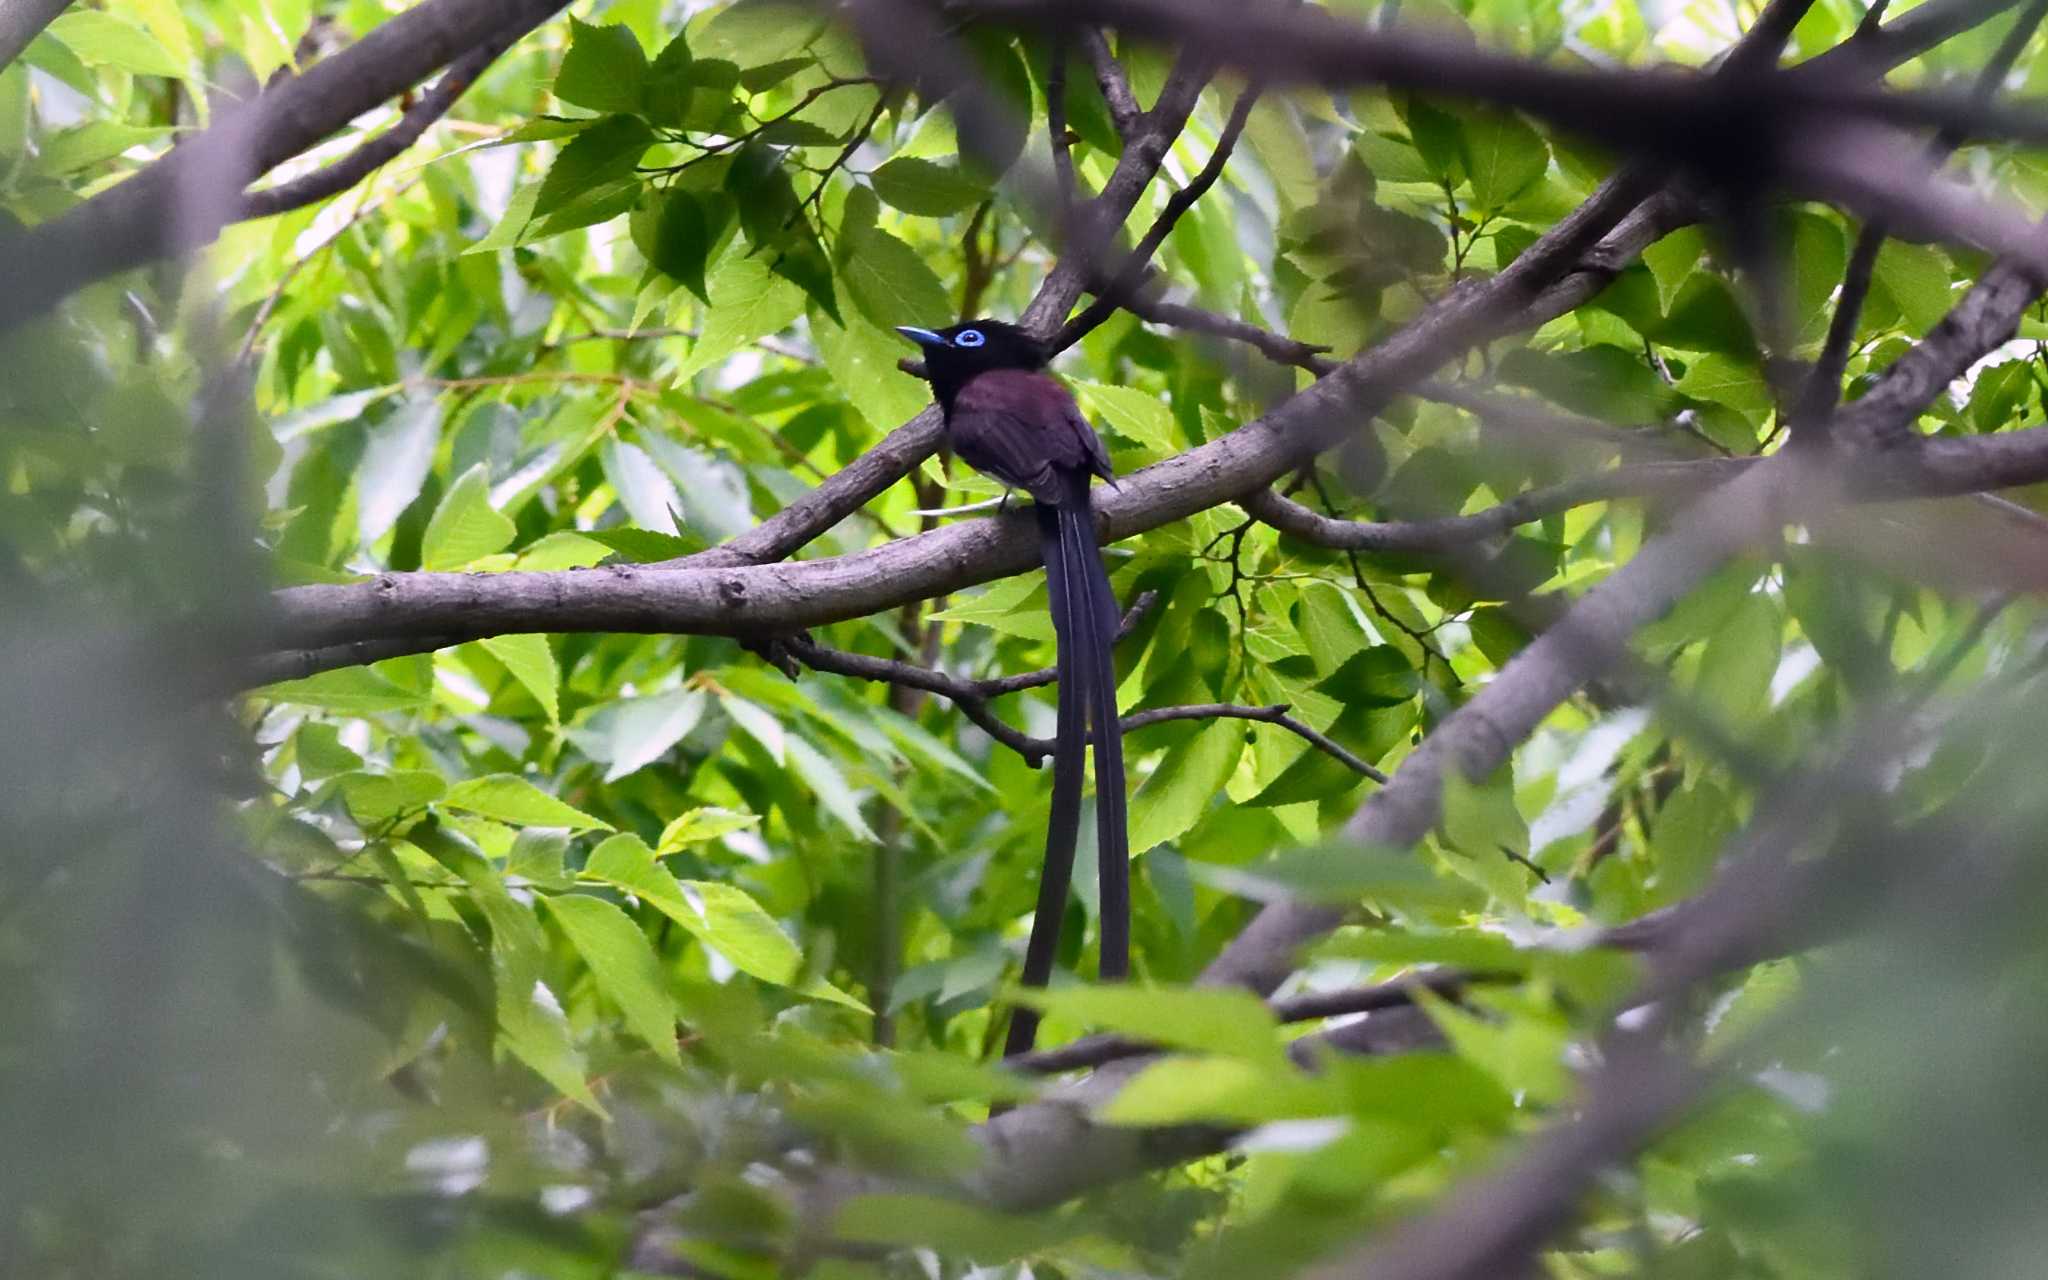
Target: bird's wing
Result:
[[1024, 429]]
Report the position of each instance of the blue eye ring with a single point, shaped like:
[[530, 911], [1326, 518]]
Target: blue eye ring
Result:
[[968, 338]]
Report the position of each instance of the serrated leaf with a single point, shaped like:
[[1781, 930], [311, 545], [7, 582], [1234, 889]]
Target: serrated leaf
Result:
[[1916, 278], [513, 800], [721, 916], [1135, 415], [629, 734], [699, 825], [531, 660], [355, 689], [748, 301], [395, 464], [106, 39], [465, 526], [889, 281], [603, 154], [644, 489], [376, 798], [1722, 380], [604, 69], [1227, 1021], [925, 187], [1184, 785], [829, 786], [643, 546], [680, 235], [862, 360], [760, 724], [624, 966], [1502, 157]]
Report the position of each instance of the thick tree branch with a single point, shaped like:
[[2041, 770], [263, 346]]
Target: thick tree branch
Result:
[[21, 21]]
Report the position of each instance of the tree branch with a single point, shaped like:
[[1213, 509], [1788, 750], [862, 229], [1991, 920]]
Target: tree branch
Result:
[[21, 21]]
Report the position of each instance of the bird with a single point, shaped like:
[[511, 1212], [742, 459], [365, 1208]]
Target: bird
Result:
[[1008, 418]]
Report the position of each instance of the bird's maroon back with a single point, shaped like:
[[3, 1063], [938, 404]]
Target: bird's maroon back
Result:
[[1023, 428]]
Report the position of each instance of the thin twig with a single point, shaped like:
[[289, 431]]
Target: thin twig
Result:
[[386, 146], [1127, 277]]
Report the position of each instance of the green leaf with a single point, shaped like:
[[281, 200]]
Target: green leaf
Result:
[[925, 187], [629, 734], [604, 153], [643, 546], [697, 826], [604, 69], [1228, 1021], [665, 93], [889, 281], [949, 1226], [354, 689], [1180, 1090], [1673, 261], [93, 144], [719, 915], [748, 301], [644, 489], [862, 359], [1502, 157], [624, 965], [762, 30], [1526, 1055], [532, 663], [377, 798], [829, 786], [465, 526], [1185, 784], [1739, 661], [680, 231], [1139, 417], [1916, 278], [109, 40], [1738, 384], [512, 799], [395, 464]]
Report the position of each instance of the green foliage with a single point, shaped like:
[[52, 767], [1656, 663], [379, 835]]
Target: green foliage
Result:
[[606, 905]]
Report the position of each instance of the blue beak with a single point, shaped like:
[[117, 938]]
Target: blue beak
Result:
[[923, 337]]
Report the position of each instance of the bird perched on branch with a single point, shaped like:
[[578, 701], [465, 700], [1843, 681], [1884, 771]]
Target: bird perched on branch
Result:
[[1008, 418]]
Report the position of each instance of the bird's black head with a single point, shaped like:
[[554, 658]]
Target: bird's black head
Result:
[[952, 357]]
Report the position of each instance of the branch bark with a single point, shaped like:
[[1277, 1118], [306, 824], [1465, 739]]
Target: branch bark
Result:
[[21, 21]]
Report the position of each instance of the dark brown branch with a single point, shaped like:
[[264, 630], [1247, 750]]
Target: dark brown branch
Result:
[[1124, 111]]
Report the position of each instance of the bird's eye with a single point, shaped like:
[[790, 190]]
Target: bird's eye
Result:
[[968, 338]]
